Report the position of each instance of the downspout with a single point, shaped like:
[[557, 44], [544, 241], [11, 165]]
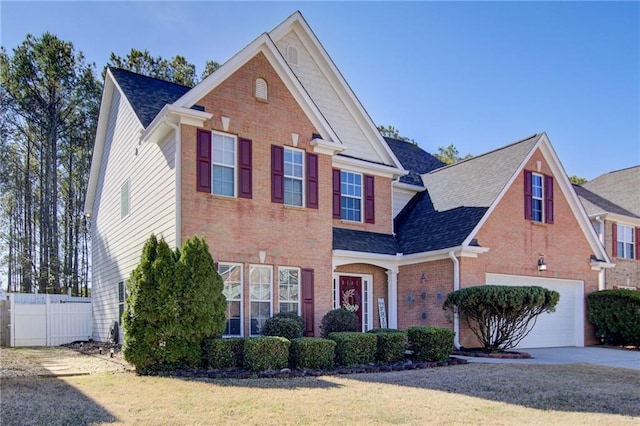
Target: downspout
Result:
[[601, 280], [178, 188], [456, 286]]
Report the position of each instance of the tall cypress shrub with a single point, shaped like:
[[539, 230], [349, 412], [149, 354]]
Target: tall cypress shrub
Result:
[[175, 302]]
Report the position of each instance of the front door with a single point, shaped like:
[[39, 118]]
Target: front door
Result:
[[351, 296]]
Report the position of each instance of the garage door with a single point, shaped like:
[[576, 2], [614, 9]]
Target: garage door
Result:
[[565, 326]]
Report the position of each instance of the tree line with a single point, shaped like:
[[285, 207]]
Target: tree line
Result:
[[49, 105]]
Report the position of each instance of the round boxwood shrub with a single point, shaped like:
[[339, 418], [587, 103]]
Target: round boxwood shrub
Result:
[[223, 354], [430, 343], [283, 326], [338, 320], [390, 346], [312, 353], [266, 353], [616, 315], [353, 348]]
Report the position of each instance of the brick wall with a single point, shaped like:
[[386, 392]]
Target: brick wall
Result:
[[626, 272], [236, 229]]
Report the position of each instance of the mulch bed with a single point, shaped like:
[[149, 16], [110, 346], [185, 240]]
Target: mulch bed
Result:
[[480, 353]]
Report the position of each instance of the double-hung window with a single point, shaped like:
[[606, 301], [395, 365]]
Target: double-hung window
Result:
[[351, 196], [289, 290], [625, 242], [122, 297], [224, 164], [260, 284], [231, 274], [538, 197], [293, 177]]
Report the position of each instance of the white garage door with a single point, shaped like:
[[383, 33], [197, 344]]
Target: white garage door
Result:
[[565, 326]]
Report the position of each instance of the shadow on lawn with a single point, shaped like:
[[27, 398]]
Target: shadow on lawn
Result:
[[570, 388], [48, 400]]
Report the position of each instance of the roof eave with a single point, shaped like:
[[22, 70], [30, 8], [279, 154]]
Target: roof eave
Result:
[[174, 115], [368, 167]]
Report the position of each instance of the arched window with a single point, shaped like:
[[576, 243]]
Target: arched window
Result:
[[262, 90]]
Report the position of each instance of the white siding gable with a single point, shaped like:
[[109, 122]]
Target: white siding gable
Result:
[[117, 242], [339, 116]]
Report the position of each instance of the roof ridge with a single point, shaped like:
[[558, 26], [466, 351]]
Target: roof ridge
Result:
[[147, 76], [484, 154], [617, 171]]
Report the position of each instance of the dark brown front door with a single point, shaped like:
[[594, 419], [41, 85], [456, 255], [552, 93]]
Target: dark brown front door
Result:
[[351, 295]]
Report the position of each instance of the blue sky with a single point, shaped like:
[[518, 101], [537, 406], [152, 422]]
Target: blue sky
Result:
[[476, 74]]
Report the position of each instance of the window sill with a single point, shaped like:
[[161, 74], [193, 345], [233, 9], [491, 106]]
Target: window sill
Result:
[[533, 222], [351, 222], [289, 206], [223, 197]]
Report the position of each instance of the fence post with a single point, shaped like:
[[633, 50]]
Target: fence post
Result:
[[12, 321]]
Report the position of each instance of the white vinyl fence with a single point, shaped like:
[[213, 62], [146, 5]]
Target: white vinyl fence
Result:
[[47, 320]]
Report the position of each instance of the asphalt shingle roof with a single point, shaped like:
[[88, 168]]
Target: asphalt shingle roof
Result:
[[147, 95], [414, 159], [621, 188], [363, 241], [595, 204]]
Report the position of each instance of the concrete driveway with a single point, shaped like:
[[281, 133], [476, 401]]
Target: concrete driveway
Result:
[[610, 357]]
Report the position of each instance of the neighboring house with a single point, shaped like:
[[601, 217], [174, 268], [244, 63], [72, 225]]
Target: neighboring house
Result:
[[612, 202], [306, 207]]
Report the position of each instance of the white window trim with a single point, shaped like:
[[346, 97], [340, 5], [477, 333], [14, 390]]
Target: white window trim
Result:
[[301, 179], [235, 164], [127, 185], [361, 198], [625, 244], [280, 268], [253, 300], [541, 198], [367, 290], [239, 265]]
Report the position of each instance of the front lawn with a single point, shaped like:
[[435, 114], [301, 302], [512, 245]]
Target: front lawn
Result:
[[464, 394]]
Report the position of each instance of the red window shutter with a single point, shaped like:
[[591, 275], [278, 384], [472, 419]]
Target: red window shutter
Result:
[[337, 214], [203, 161], [369, 199], [614, 240], [245, 185], [277, 174], [638, 243], [312, 181], [307, 301], [548, 199], [528, 195]]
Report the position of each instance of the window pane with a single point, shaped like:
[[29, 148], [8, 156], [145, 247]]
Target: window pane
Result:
[[292, 192], [223, 179]]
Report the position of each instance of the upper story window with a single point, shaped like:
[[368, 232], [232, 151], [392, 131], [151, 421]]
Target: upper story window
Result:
[[353, 196], [538, 197], [124, 200], [624, 241], [223, 164], [293, 177], [262, 89]]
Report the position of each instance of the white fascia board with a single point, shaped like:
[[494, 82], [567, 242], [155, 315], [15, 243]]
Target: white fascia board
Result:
[[362, 166], [618, 218], [597, 265], [299, 25], [408, 187], [262, 44], [322, 146], [98, 147], [174, 115], [345, 257], [461, 251]]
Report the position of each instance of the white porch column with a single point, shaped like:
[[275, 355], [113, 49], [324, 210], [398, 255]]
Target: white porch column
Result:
[[392, 284]]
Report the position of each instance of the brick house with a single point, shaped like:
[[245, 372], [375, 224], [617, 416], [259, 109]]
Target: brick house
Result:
[[306, 207], [612, 202]]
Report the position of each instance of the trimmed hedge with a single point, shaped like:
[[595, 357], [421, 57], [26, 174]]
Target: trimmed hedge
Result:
[[430, 343], [266, 353], [312, 353], [616, 315], [390, 345], [338, 320], [289, 328], [354, 348], [223, 354]]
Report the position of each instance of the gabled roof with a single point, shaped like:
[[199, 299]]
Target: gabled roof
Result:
[[621, 188], [414, 159], [477, 182], [594, 204], [147, 95]]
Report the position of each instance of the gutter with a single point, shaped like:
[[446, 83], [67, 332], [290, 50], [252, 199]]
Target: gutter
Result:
[[456, 286]]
